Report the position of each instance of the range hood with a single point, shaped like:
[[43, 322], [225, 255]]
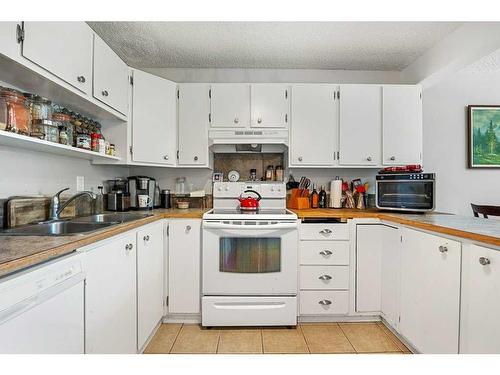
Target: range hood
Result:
[[248, 136], [247, 148]]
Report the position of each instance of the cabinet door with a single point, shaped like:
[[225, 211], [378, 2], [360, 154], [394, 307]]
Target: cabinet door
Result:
[[8, 40], [149, 280], [194, 109], [430, 292], [230, 105], [480, 327], [154, 119], [360, 113], [270, 106], [184, 266], [110, 297], [314, 125], [402, 125], [62, 48], [368, 267], [110, 77], [390, 266]]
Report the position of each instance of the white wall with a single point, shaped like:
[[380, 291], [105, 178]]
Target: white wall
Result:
[[24, 172], [445, 138]]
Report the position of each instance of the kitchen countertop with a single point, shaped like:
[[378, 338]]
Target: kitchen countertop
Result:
[[18, 252]]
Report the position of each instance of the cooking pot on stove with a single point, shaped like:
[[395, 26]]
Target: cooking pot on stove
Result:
[[248, 202]]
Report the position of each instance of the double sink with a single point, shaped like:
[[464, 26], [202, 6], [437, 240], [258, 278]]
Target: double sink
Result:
[[75, 226]]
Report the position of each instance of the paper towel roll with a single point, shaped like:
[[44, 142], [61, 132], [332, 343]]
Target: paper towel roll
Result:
[[336, 194]]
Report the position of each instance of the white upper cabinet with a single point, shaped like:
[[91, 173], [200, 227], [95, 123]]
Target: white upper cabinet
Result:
[[62, 48], [194, 109], [8, 40], [360, 125], [430, 292], [402, 125], [230, 105], [110, 77], [270, 106], [479, 326], [154, 119], [314, 125]]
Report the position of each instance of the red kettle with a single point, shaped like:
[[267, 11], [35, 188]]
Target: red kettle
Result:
[[249, 203]]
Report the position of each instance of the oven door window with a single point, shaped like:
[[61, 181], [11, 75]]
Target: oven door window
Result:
[[416, 195], [249, 255]]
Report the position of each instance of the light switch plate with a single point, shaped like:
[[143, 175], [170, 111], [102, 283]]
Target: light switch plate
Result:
[[80, 183]]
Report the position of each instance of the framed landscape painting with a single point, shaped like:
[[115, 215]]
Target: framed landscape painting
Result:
[[484, 136]]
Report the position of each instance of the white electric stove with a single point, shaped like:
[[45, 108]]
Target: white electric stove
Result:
[[249, 258]]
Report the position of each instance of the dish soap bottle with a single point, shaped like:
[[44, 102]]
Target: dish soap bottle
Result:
[[322, 198], [314, 198], [99, 201]]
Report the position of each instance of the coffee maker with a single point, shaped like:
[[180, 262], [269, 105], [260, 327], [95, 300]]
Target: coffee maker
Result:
[[138, 187], [117, 197]]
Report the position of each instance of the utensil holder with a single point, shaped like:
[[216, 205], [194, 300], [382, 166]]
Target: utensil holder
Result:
[[299, 199]]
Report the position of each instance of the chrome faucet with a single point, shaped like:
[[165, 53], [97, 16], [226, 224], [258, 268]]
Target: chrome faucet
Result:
[[55, 203]]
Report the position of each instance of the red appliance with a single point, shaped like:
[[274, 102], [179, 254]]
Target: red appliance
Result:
[[249, 203]]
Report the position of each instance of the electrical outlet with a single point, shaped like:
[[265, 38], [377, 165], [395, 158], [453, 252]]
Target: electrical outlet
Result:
[[80, 183]]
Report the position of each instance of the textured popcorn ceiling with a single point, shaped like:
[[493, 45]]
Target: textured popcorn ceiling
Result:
[[281, 45]]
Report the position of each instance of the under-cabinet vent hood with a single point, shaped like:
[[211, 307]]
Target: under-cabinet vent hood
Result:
[[248, 148], [249, 136]]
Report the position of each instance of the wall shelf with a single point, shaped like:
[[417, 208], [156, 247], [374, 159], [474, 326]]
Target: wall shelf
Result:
[[35, 144]]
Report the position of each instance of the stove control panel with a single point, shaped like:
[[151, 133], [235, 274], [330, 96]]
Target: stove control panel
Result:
[[234, 189]]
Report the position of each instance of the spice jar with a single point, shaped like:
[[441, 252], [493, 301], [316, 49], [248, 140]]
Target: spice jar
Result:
[[18, 115], [280, 173], [83, 140], [40, 108], [270, 173], [112, 149], [63, 120], [94, 141]]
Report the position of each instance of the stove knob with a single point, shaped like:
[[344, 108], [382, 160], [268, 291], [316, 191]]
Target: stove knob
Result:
[[227, 188], [220, 188], [272, 188]]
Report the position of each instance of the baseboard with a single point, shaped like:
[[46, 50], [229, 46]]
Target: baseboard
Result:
[[182, 318], [401, 338], [337, 318], [150, 337]]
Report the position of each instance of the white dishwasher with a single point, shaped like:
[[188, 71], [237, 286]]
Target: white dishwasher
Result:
[[42, 308]]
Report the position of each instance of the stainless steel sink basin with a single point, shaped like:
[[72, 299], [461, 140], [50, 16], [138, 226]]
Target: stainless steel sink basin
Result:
[[119, 217], [55, 228]]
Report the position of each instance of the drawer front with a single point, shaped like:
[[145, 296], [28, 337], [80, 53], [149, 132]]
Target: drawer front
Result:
[[323, 232], [324, 302], [324, 277], [324, 252]]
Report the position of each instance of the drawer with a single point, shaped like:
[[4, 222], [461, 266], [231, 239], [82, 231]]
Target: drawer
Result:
[[324, 232], [324, 252], [319, 302], [324, 277]]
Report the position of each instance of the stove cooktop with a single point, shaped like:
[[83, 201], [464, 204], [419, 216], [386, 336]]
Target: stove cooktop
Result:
[[264, 213]]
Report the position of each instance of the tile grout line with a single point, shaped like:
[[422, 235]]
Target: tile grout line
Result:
[[304, 338], [218, 341], [347, 337], [262, 340], [176, 336]]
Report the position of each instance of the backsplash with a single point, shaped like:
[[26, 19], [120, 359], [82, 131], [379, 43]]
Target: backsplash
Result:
[[244, 162]]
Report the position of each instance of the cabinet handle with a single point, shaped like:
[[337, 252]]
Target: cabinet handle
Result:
[[81, 79], [325, 302], [146, 238], [392, 158], [165, 157], [443, 249], [325, 277], [484, 261], [196, 158], [236, 120], [188, 228], [259, 120], [325, 231], [105, 93], [300, 158], [369, 158], [325, 253]]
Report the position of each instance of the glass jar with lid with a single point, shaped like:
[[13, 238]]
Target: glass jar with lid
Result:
[[3, 112], [47, 130], [18, 114], [40, 107], [63, 119]]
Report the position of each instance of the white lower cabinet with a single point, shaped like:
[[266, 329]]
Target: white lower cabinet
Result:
[[480, 327], [184, 266], [390, 275], [430, 292], [324, 302], [110, 296], [149, 280]]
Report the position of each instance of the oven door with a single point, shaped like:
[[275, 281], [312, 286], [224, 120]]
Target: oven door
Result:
[[405, 195], [250, 258]]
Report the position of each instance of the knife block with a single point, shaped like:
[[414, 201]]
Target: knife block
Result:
[[299, 199]]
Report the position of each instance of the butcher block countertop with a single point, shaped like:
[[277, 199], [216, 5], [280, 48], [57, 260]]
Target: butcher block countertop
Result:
[[19, 252]]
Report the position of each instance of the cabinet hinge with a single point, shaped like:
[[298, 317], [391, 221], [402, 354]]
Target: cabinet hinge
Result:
[[286, 94], [338, 94], [420, 95], [131, 80], [335, 95], [338, 155], [210, 93], [209, 117], [168, 230], [177, 154], [166, 301], [401, 238], [399, 319], [286, 117], [130, 149], [177, 94], [20, 33]]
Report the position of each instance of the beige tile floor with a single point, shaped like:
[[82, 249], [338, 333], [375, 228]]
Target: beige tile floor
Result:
[[313, 338]]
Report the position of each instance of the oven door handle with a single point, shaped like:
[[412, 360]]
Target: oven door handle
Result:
[[211, 225]]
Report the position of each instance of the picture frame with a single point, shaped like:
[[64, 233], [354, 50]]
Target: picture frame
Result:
[[483, 136]]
